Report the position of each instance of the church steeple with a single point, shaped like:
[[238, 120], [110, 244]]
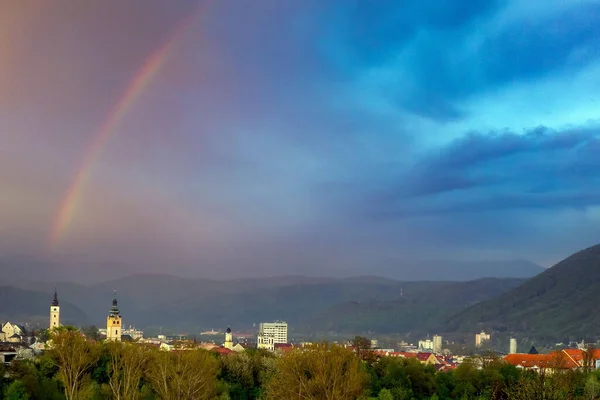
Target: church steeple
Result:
[[114, 310], [55, 300]]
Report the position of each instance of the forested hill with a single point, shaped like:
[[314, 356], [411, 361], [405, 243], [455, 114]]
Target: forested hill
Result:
[[558, 304]]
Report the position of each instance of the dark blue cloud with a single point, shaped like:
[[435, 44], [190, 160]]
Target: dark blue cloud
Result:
[[445, 52], [377, 31], [540, 168]]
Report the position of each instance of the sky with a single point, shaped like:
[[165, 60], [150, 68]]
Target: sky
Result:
[[221, 138]]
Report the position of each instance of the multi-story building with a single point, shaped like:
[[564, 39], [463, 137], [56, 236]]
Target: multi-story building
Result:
[[480, 338], [513, 346], [266, 341], [426, 345], [437, 344], [277, 329]]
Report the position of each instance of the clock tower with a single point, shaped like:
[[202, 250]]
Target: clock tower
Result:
[[54, 313], [114, 323]]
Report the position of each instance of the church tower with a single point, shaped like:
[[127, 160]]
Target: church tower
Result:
[[114, 323], [54, 312], [228, 339]]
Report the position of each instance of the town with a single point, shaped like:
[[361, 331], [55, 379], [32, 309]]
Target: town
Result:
[[17, 342]]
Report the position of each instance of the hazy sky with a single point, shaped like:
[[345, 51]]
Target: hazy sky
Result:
[[284, 136]]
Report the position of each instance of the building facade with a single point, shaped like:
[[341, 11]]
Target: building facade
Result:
[[114, 322], [481, 338], [278, 330], [265, 341], [54, 313], [426, 345], [513, 346], [437, 344], [228, 339]]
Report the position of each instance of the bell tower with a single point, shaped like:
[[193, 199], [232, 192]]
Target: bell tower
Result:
[[54, 312], [228, 339], [114, 323]]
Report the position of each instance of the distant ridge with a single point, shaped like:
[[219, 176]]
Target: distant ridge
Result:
[[151, 301], [561, 303], [17, 305], [468, 270]]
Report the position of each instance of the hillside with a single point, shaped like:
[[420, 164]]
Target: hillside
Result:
[[472, 270], [416, 311], [156, 301], [18, 305], [558, 304]]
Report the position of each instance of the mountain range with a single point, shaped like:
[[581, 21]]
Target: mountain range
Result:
[[315, 305], [557, 304], [78, 269]]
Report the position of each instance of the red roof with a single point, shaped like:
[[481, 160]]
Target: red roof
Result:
[[527, 360], [222, 350], [423, 356], [284, 346], [556, 359]]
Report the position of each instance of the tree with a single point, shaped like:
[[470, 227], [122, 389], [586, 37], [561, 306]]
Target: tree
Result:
[[589, 358], [183, 375], [43, 336], [126, 367], [322, 371], [592, 388], [16, 391], [91, 332], [363, 349], [385, 394], [74, 356]]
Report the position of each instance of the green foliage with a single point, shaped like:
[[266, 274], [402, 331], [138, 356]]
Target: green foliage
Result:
[[16, 391], [91, 332], [248, 375], [43, 335], [385, 394]]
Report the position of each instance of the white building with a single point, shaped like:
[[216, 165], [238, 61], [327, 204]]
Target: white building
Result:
[[266, 341], [513, 346], [426, 345], [277, 329], [133, 332], [13, 333], [437, 344], [480, 338]]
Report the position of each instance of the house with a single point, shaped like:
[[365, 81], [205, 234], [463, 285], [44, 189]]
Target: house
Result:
[[14, 338], [10, 330], [283, 347], [223, 350], [553, 361], [7, 353], [580, 357], [238, 348], [422, 357]]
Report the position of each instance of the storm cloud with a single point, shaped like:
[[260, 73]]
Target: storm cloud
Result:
[[314, 137]]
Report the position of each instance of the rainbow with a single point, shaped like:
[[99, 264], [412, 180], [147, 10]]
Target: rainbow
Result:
[[141, 80]]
